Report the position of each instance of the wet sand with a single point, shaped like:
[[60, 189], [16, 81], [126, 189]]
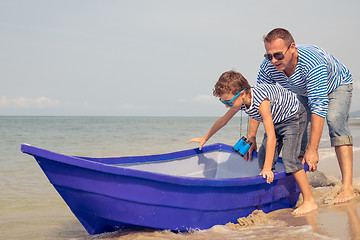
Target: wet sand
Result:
[[334, 221]]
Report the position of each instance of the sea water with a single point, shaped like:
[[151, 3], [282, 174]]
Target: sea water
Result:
[[30, 208]]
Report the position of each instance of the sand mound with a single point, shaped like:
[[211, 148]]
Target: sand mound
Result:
[[256, 218]]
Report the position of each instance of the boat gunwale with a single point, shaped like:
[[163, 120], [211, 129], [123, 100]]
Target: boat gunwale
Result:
[[110, 168]]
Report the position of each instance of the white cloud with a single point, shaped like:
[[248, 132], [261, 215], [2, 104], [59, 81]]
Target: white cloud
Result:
[[205, 99], [23, 102]]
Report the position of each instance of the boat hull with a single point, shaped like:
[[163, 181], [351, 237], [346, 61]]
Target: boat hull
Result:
[[105, 197]]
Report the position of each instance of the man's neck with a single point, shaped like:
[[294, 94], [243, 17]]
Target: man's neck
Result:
[[292, 66]]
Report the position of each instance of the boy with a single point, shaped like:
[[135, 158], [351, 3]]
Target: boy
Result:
[[284, 119]]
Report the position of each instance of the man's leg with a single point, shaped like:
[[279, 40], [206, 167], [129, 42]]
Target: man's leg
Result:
[[341, 139], [345, 158]]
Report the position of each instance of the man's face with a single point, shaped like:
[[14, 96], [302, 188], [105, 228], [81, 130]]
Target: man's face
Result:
[[278, 46]]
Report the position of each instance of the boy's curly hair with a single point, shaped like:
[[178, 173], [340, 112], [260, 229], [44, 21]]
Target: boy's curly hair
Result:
[[230, 82]]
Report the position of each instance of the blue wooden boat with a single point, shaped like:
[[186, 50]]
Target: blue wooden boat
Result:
[[191, 189]]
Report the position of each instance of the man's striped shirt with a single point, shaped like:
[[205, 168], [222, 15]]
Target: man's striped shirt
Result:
[[316, 75], [283, 103]]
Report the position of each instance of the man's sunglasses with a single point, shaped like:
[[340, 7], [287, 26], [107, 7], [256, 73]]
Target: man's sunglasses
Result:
[[229, 103], [277, 56]]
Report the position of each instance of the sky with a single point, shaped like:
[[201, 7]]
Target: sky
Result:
[[152, 57]]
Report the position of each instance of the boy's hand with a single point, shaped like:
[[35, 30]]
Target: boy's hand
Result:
[[253, 148], [268, 174], [201, 140]]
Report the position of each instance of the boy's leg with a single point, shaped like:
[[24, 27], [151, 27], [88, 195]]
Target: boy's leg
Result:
[[341, 139], [262, 152], [292, 132], [309, 203]]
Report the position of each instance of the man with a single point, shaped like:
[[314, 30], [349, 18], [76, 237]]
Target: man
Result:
[[324, 86]]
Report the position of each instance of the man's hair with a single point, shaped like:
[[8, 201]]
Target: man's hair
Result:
[[230, 82], [279, 33]]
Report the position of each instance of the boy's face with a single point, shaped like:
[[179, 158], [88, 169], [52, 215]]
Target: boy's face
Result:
[[232, 101]]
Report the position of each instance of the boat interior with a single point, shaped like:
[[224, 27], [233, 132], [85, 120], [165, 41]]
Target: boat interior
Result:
[[213, 165]]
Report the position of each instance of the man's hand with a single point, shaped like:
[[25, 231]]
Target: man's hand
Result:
[[311, 157]]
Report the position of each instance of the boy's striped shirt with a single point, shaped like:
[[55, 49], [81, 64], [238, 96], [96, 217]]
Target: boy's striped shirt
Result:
[[283, 103], [316, 75]]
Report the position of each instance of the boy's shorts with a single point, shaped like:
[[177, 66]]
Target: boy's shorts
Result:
[[288, 139]]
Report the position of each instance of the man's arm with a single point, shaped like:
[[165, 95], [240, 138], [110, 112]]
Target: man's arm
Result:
[[263, 75], [311, 156], [318, 101]]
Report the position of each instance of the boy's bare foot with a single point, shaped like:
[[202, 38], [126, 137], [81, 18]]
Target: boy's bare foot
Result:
[[306, 207], [344, 196]]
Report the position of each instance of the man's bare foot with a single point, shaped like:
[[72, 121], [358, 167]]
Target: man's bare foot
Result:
[[344, 196], [306, 207]]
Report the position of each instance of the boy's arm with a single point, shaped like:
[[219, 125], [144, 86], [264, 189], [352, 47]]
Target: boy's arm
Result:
[[264, 110], [253, 127], [221, 122]]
